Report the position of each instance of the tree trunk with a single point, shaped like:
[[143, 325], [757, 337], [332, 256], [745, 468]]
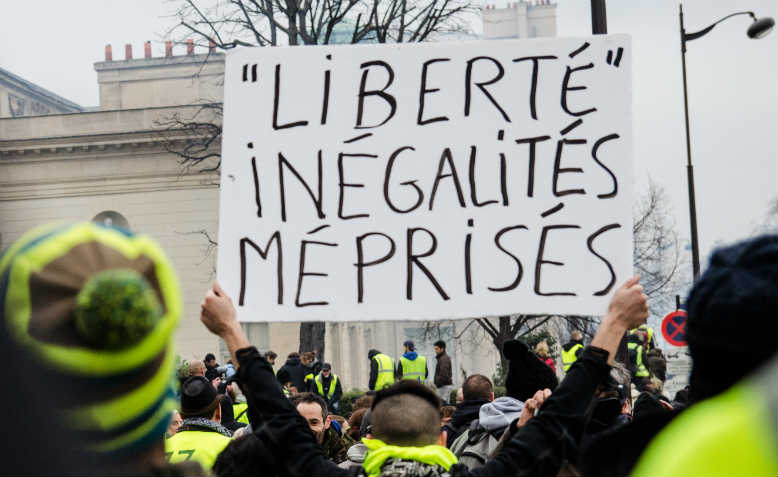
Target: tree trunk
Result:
[[312, 338]]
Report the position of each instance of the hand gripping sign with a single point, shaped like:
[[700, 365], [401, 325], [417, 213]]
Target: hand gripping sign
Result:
[[426, 181]]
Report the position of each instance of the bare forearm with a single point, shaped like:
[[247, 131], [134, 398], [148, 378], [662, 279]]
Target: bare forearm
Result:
[[609, 335]]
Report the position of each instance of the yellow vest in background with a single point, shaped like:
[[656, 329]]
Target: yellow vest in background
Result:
[[569, 357], [331, 390], [385, 371], [241, 409], [414, 369]]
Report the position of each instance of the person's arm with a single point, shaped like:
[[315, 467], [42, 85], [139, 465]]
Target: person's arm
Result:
[[426, 371], [338, 392], [547, 440], [398, 370], [275, 415], [373, 375]]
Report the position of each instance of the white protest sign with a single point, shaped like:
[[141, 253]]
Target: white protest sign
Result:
[[426, 181]]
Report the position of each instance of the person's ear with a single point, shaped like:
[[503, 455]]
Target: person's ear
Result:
[[442, 438], [491, 396], [217, 414], [327, 422]]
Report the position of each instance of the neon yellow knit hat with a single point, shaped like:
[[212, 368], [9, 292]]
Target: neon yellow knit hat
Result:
[[98, 306]]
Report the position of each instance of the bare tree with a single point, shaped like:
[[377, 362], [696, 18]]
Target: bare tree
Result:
[[230, 23], [656, 249], [226, 24]]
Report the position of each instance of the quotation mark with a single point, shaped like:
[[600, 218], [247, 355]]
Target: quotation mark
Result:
[[610, 59], [253, 73]]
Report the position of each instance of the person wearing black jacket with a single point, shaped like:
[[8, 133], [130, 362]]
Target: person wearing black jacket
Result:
[[293, 372], [539, 446], [477, 391]]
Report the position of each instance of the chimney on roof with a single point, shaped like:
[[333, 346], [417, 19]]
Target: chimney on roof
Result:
[[147, 49], [108, 53], [190, 47], [211, 45], [128, 51], [168, 48]]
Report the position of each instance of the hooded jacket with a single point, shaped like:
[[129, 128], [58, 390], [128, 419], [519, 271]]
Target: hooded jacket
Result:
[[293, 371]]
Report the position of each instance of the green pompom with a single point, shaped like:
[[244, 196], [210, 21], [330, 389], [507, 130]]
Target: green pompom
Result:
[[116, 309]]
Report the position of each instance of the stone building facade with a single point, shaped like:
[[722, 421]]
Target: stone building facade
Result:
[[520, 20]]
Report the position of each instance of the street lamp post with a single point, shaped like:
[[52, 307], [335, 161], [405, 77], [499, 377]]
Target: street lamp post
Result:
[[758, 29]]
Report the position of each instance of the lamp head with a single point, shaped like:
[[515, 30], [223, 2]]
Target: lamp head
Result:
[[761, 27]]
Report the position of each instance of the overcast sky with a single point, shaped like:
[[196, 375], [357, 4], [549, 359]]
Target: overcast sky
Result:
[[733, 88]]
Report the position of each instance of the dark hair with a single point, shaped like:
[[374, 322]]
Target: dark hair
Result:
[[365, 401], [440, 344], [310, 398], [293, 354], [406, 414], [209, 357], [271, 354], [447, 411], [244, 455], [477, 386], [355, 423]]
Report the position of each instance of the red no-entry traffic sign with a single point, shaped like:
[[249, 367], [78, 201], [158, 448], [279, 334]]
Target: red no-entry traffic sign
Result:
[[674, 328]]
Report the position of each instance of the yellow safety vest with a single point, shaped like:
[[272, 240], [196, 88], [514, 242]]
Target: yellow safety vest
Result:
[[733, 433], [642, 371], [385, 371], [320, 386], [201, 446], [644, 327], [569, 357], [307, 380], [415, 369], [240, 411]]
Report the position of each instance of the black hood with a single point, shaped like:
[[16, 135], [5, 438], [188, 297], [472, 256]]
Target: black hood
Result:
[[466, 412], [372, 353], [292, 361]]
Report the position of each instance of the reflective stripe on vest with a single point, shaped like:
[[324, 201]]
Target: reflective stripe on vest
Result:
[[569, 357], [642, 371], [732, 433], [200, 446], [415, 369], [240, 411], [644, 327], [385, 371], [320, 386]]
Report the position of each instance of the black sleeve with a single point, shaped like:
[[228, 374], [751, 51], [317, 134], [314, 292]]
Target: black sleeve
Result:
[[550, 438], [276, 416], [398, 371], [578, 353], [373, 374], [338, 391], [426, 371]]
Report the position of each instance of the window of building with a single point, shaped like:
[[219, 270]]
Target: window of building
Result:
[[111, 218]]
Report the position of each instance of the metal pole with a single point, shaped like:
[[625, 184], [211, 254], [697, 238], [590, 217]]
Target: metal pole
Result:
[[599, 19], [689, 167]]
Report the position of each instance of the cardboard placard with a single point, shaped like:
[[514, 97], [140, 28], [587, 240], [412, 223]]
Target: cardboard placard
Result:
[[426, 181]]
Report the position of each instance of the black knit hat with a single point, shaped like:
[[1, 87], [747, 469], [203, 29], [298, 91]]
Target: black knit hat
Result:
[[198, 397], [526, 373], [731, 308]]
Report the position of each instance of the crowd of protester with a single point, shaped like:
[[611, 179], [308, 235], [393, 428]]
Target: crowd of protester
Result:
[[89, 314]]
